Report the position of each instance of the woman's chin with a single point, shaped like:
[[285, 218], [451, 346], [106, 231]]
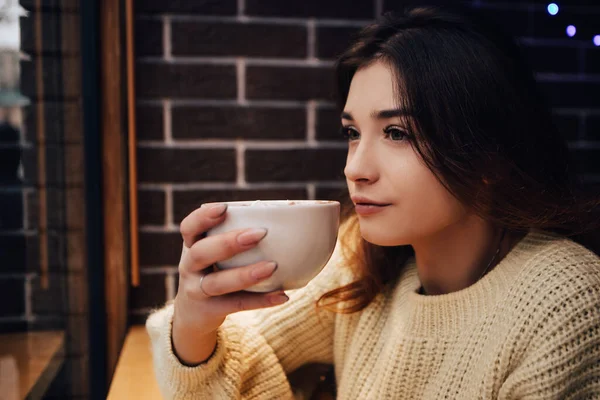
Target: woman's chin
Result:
[[380, 237]]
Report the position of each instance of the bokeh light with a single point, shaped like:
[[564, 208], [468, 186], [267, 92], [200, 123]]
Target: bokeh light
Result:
[[552, 9], [597, 40], [571, 30]]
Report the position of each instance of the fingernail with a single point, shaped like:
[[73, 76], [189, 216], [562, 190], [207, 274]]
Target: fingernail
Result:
[[251, 236], [264, 270], [278, 299], [217, 210]]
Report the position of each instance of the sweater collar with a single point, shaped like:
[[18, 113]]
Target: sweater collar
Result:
[[435, 315]]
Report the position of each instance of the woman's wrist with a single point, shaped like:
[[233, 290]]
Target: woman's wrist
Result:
[[191, 346]]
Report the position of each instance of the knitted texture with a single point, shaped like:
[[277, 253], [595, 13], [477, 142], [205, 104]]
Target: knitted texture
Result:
[[529, 329]]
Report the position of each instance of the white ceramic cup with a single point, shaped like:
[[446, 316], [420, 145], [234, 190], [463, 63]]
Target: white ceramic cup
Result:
[[301, 237]]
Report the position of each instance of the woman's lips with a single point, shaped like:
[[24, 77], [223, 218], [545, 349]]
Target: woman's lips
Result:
[[369, 209]]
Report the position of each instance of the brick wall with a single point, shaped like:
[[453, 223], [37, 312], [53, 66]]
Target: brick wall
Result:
[[234, 103]]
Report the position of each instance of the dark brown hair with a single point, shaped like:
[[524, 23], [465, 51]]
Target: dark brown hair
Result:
[[480, 125]]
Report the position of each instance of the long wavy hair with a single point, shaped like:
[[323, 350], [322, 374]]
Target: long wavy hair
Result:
[[479, 124]]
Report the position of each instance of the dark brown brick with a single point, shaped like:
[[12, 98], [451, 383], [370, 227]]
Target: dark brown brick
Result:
[[238, 122], [13, 295], [184, 202], [74, 166], [234, 39], [185, 80], [149, 122], [72, 115], [338, 9], [55, 165], [71, 77], [160, 249], [571, 94], [57, 251], [76, 251], [62, 122], [587, 160], [339, 194], [151, 207], [592, 127], [52, 71], [204, 7], [332, 41], [295, 83], [55, 201], [328, 124], [148, 37], [51, 30], [51, 300], [12, 253], [180, 165], [568, 125], [295, 165], [53, 122], [150, 293], [70, 31], [75, 205], [552, 59]]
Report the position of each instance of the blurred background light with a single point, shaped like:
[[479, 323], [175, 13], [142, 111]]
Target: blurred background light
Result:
[[552, 9], [571, 30]]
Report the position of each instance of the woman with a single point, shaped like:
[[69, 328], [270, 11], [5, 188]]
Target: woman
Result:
[[461, 272]]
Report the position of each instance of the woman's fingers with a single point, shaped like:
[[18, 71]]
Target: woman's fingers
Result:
[[244, 301], [235, 279], [200, 221], [213, 249]]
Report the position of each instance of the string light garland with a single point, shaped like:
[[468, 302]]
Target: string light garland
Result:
[[571, 30]]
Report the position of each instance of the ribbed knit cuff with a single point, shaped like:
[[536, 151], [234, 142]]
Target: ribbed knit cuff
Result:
[[169, 370]]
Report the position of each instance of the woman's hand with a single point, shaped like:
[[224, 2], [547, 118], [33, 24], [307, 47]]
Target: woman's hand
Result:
[[205, 298]]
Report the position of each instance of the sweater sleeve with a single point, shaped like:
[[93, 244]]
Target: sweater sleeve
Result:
[[563, 358], [255, 349]]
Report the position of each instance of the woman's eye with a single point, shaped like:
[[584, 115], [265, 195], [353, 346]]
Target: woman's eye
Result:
[[349, 133], [396, 134]]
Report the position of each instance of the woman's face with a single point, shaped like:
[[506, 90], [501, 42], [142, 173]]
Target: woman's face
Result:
[[383, 167]]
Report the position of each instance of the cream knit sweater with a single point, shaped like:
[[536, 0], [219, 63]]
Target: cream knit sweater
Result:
[[530, 329]]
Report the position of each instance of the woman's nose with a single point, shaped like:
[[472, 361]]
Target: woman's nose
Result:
[[360, 165]]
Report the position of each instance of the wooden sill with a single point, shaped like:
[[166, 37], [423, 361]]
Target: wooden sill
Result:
[[29, 363], [134, 377]]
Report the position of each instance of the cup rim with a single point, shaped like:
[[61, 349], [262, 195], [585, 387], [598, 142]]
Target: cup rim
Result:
[[296, 203]]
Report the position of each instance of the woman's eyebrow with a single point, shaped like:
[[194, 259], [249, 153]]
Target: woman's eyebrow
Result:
[[387, 114], [347, 115], [383, 114]]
